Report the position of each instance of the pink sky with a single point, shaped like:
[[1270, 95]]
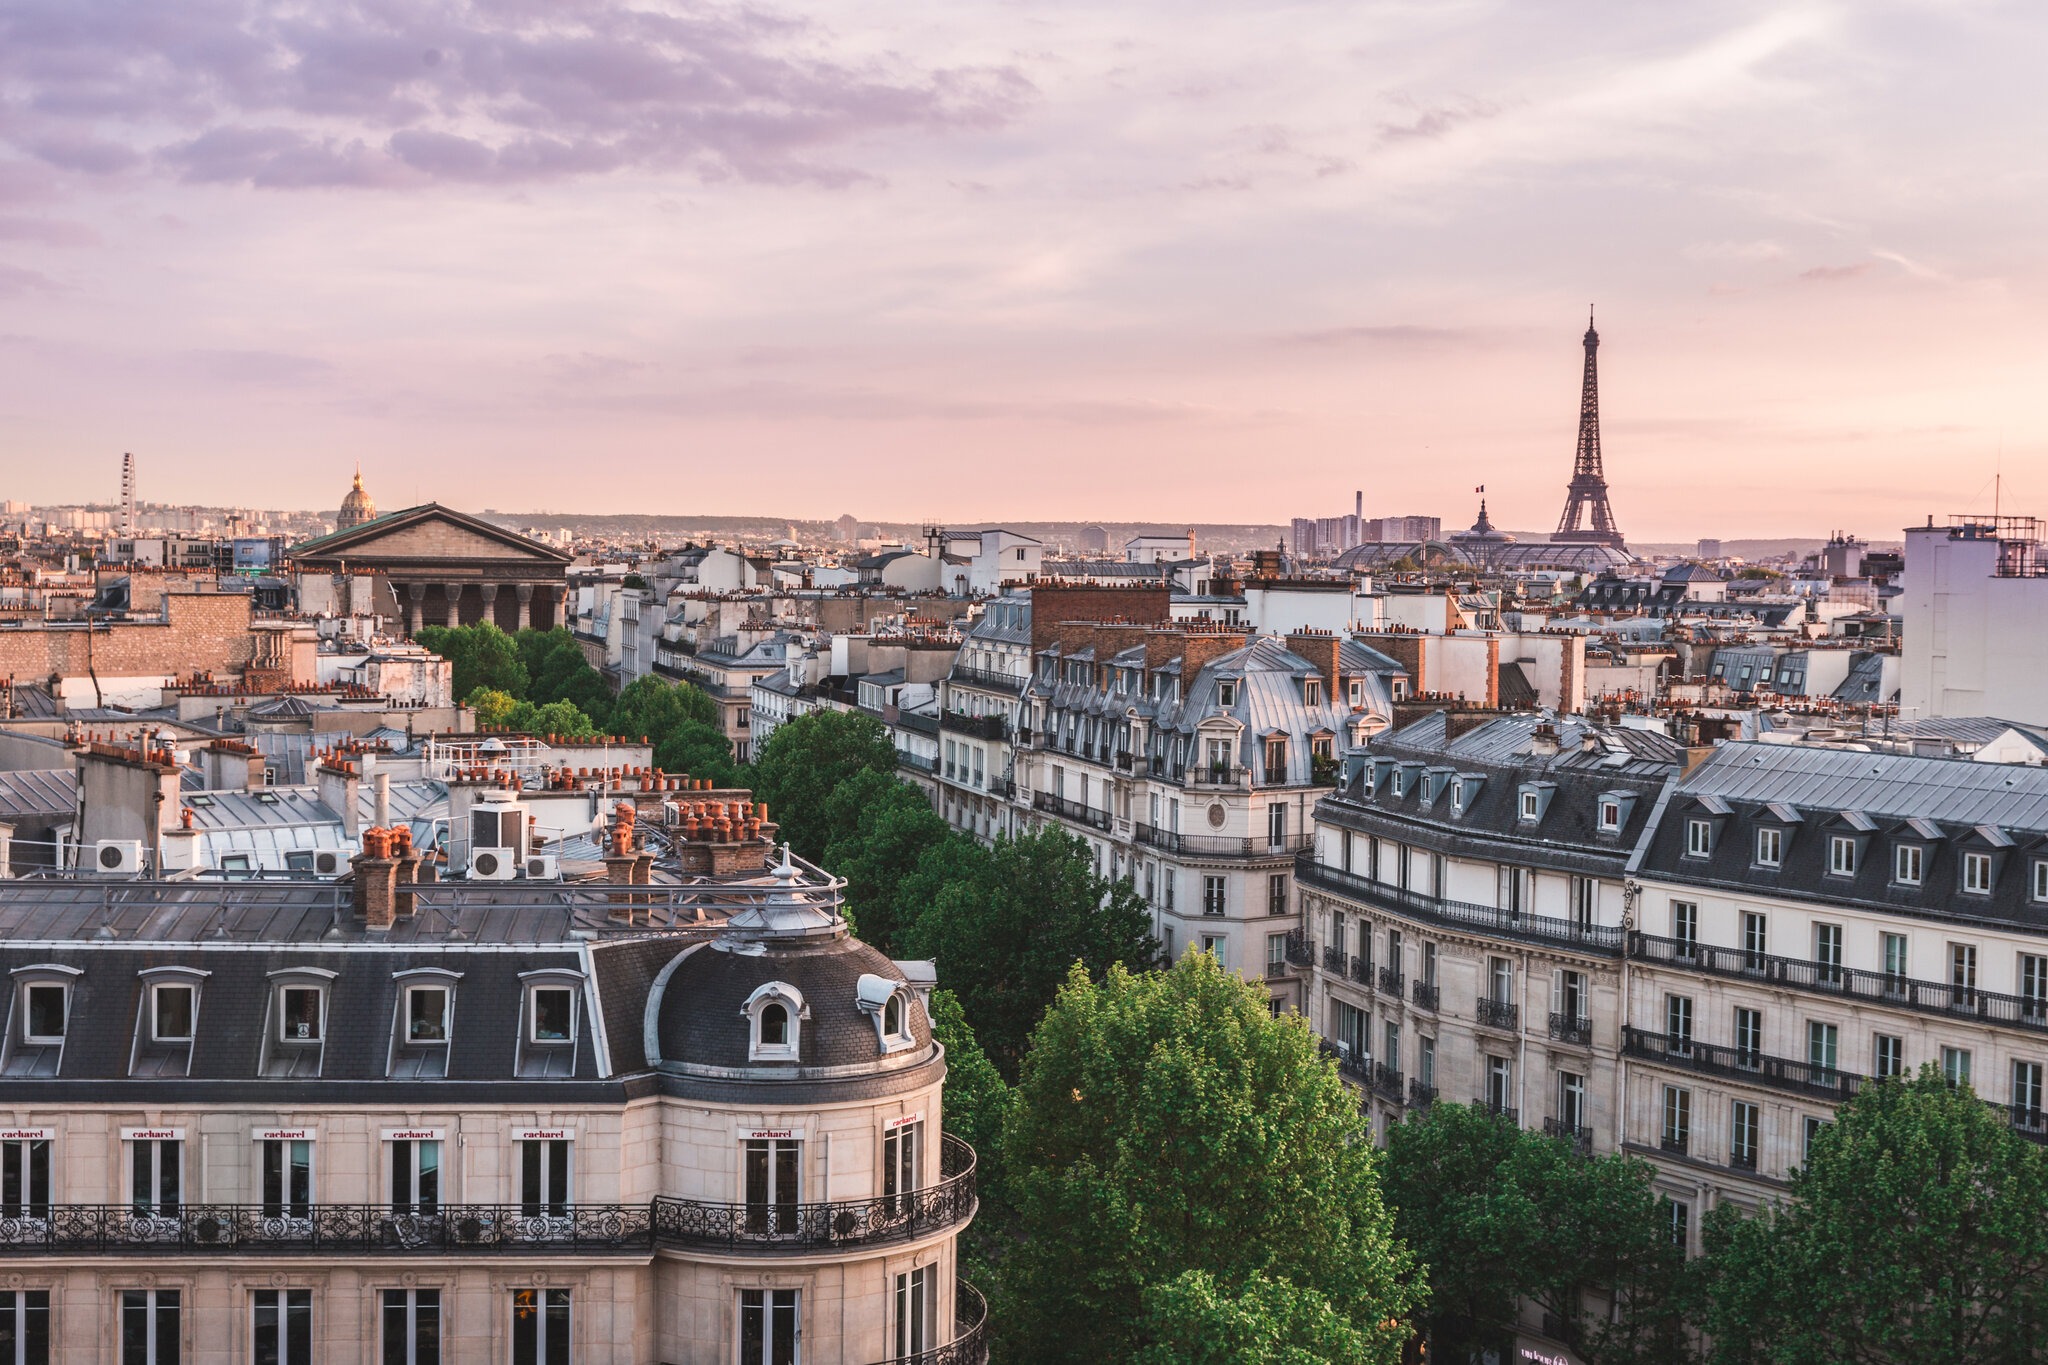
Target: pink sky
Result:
[[960, 260]]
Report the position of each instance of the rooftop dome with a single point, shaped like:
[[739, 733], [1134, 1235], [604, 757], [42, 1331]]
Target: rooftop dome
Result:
[[356, 508]]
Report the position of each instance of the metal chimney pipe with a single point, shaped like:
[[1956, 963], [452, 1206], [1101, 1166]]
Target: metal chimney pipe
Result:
[[383, 806]]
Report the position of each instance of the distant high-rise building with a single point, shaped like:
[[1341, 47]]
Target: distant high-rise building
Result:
[[127, 495], [1708, 549]]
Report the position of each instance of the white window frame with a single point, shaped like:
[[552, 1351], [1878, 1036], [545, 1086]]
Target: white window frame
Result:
[[409, 1301], [1532, 806], [1976, 873], [1770, 846], [447, 994], [2038, 881], [790, 1001], [1610, 816], [283, 1298], [1841, 855], [152, 1304], [766, 1296], [1699, 838], [28, 989], [544, 1301], [1909, 864], [533, 995], [287, 989]]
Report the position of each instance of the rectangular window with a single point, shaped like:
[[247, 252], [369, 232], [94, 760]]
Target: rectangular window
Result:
[[2026, 1091], [540, 1327], [902, 1150], [1585, 901], [1500, 978], [1679, 1214], [1955, 1064], [768, 1327], [1276, 893], [1500, 1084], [1699, 838], [1426, 1063], [1168, 879], [1276, 825], [149, 1327], [25, 1327], [156, 1177], [1977, 873], [1755, 941], [170, 1015], [415, 1176], [1907, 860], [299, 1014], [1677, 1118], [24, 1180], [544, 1178], [1429, 964], [1685, 926], [1678, 1024], [287, 1178], [1888, 1056], [1770, 847], [1894, 946], [554, 1014], [1610, 816], [1749, 1037], [426, 1014], [1571, 1101], [45, 1008], [1742, 1134], [1822, 1050], [411, 1327], [1212, 894], [1962, 971], [1531, 805], [2033, 986], [1811, 1130], [916, 1312], [1827, 954], [774, 1185], [1841, 855], [1353, 1026], [283, 1328], [2037, 881]]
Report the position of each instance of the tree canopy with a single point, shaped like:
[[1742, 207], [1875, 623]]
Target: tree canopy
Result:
[[806, 760], [1005, 939], [557, 670], [653, 706], [1917, 1231], [1193, 1183], [482, 655], [880, 828]]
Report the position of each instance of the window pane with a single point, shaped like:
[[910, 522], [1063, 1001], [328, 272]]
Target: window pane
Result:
[[426, 1017], [551, 1015], [46, 1011], [301, 1013], [173, 1012]]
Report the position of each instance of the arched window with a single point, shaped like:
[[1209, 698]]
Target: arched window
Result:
[[892, 1015], [775, 1014], [887, 1002], [774, 1026]]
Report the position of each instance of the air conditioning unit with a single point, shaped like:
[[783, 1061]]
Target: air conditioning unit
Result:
[[117, 857], [327, 863], [494, 864], [542, 867]]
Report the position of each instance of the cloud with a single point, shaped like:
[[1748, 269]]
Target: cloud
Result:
[[1436, 121], [375, 93], [16, 282], [270, 368], [1830, 274]]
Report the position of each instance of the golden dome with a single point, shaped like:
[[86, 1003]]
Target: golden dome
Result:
[[356, 508]]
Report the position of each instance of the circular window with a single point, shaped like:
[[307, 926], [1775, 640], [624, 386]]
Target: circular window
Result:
[[1217, 815]]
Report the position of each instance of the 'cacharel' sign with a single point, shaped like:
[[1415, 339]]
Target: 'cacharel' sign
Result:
[[26, 1134], [414, 1134], [152, 1135], [284, 1134], [543, 1134]]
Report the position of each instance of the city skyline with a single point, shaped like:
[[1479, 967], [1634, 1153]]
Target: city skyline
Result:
[[1125, 260]]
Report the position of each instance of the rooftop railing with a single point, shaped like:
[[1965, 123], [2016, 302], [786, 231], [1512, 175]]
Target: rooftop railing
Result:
[[1599, 939]]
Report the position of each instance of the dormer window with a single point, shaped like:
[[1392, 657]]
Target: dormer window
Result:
[[1908, 862], [1400, 782], [1532, 805], [887, 1002], [1226, 692], [426, 1014], [1770, 847], [300, 1012], [1312, 691], [1610, 816], [1977, 873], [46, 1006], [553, 1014], [1699, 838], [1841, 855], [775, 1013], [1458, 795], [171, 1011]]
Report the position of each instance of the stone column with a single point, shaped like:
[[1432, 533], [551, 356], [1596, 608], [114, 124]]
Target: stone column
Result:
[[417, 593], [490, 594], [525, 591], [454, 591]]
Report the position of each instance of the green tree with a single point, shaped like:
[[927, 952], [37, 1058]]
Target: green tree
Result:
[[1168, 1124], [880, 827], [958, 861], [558, 671], [1005, 940], [493, 708], [553, 718], [653, 706], [805, 760], [1501, 1214], [1917, 1231], [977, 1098], [483, 656], [699, 750]]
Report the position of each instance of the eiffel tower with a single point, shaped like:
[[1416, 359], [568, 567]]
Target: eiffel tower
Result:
[[1587, 519]]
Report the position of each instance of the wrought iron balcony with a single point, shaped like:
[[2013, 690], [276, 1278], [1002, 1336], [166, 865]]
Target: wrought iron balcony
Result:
[[969, 1345], [1071, 810], [1675, 1143], [1504, 1014], [1592, 939], [1391, 981], [1361, 970], [1780, 1073], [983, 677], [1386, 1081], [1420, 1096], [1220, 846], [1825, 978], [1498, 1110], [1300, 952], [1571, 1028], [534, 1228], [1579, 1136], [1743, 1161], [981, 727], [1217, 775], [1333, 959], [1426, 995]]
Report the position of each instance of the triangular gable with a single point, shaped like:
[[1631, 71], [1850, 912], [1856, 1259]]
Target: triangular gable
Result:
[[430, 531]]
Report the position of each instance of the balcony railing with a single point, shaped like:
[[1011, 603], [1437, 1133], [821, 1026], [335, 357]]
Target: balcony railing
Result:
[[1333, 959], [1503, 1014], [1217, 846], [1674, 1143], [922, 762], [1578, 1135], [981, 727], [982, 677], [1420, 1096], [550, 1229], [1571, 1028], [1594, 939], [1071, 810], [1300, 952], [1217, 775], [1781, 1073], [1743, 1160], [1361, 970], [1498, 1110], [1825, 978], [1426, 995], [1387, 1082], [1391, 981], [969, 1345]]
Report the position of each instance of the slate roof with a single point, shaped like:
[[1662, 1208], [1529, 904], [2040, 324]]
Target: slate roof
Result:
[[701, 1024]]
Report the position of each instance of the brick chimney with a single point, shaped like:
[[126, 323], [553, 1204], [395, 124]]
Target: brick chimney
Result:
[[1319, 647], [338, 784], [376, 880]]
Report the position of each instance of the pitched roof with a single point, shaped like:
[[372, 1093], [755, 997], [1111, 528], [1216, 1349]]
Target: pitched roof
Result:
[[339, 544]]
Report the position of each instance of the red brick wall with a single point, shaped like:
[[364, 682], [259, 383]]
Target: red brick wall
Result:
[[203, 632], [1054, 603]]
